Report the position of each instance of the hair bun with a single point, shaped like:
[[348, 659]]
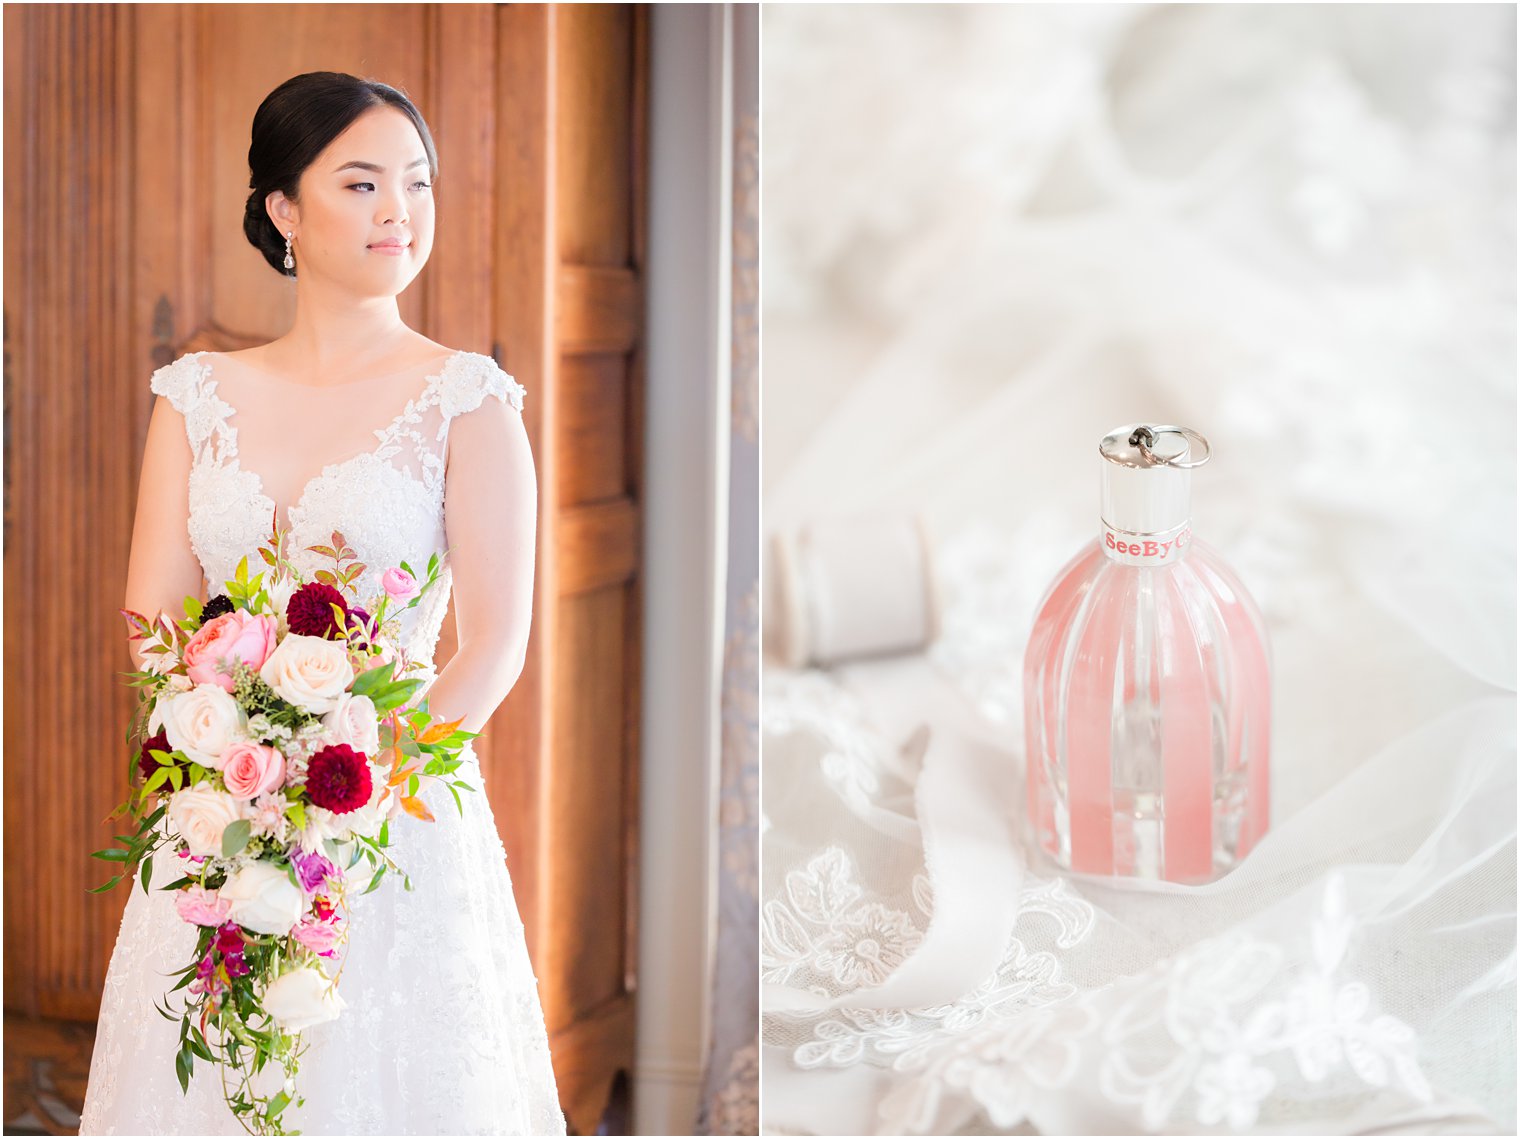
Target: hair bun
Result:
[[293, 125]]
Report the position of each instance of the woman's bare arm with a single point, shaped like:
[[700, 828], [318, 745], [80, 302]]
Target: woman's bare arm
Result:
[[491, 518], [162, 569]]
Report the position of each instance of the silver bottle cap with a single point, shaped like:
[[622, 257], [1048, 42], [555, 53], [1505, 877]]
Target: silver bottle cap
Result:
[[1147, 490]]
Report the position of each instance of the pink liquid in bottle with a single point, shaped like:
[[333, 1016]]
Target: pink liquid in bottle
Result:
[[1147, 688]]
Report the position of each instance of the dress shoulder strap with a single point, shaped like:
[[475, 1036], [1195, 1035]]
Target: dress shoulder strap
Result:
[[470, 377], [187, 386], [179, 383]]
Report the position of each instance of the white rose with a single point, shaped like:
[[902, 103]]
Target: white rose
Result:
[[301, 998], [353, 721], [264, 899], [310, 672], [202, 723], [200, 815]]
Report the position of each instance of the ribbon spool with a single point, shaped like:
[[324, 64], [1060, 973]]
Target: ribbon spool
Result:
[[856, 587]]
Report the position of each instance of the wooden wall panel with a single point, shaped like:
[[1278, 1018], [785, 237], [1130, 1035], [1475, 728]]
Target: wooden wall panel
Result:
[[69, 468]]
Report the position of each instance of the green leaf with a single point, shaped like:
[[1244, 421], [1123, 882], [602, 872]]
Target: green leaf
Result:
[[147, 872], [157, 779], [182, 1068], [296, 813], [198, 1046], [107, 886], [368, 681], [278, 1104], [235, 837], [112, 855], [375, 881]]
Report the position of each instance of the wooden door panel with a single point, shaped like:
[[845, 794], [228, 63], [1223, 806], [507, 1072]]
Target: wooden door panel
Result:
[[595, 125], [592, 426], [126, 146], [588, 784]]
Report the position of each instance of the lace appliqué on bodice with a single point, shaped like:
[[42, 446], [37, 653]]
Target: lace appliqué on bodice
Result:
[[388, 502]]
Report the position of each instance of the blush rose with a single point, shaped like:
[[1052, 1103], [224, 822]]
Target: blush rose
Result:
[[310, 672], [202, 723], [208, 655], [200, 815], [250, 769]]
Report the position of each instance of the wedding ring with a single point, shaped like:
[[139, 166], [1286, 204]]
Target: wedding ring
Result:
[[1144, 438]]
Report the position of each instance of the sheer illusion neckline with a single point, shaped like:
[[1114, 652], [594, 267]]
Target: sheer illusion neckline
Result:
[[362, 381], [383, 434]]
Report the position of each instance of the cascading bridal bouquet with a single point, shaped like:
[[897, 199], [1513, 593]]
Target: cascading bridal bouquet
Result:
[[280, 744]]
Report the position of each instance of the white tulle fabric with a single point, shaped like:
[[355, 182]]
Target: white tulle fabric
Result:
[[443, 1031], [1009, 230]]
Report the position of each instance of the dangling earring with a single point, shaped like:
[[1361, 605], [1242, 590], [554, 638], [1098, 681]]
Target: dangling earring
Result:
[[290, 262]]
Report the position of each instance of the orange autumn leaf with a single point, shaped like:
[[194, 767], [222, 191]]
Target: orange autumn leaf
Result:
[[416, 808], [440, 731], [401, 775]]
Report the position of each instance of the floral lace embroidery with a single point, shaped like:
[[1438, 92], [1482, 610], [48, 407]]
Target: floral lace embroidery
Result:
[[827, 933], [385, 511], [1231, 1026], [855, 759]]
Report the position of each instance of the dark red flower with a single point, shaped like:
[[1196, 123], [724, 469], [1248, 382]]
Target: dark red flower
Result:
[[310, 611], [218, 606], [145, 761], [338, 779]]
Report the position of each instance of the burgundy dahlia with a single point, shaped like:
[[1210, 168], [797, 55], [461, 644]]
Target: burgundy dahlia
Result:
[[145, 761], [310, 610], [338, 779]]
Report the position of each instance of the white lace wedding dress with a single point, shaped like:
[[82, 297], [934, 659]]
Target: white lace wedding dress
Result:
[[443, 1031]]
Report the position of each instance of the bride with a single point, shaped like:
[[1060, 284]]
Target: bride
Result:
[[352, 422]]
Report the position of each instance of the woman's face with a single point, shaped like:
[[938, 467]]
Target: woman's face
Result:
[[370, 185]]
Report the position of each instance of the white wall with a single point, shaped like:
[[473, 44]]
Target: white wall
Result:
[[687, 285]]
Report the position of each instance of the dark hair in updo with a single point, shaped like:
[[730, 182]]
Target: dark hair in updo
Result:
[[295, 123]]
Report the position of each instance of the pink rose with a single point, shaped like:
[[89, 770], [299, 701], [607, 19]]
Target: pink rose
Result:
[[234, 636], [318, 936], [200, 906], [399, 585], [250, 769]]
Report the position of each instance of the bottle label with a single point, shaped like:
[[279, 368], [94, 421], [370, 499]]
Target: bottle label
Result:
[[1146, 549]]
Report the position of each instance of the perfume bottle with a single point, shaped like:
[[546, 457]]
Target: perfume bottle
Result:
[[1147, 689]]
